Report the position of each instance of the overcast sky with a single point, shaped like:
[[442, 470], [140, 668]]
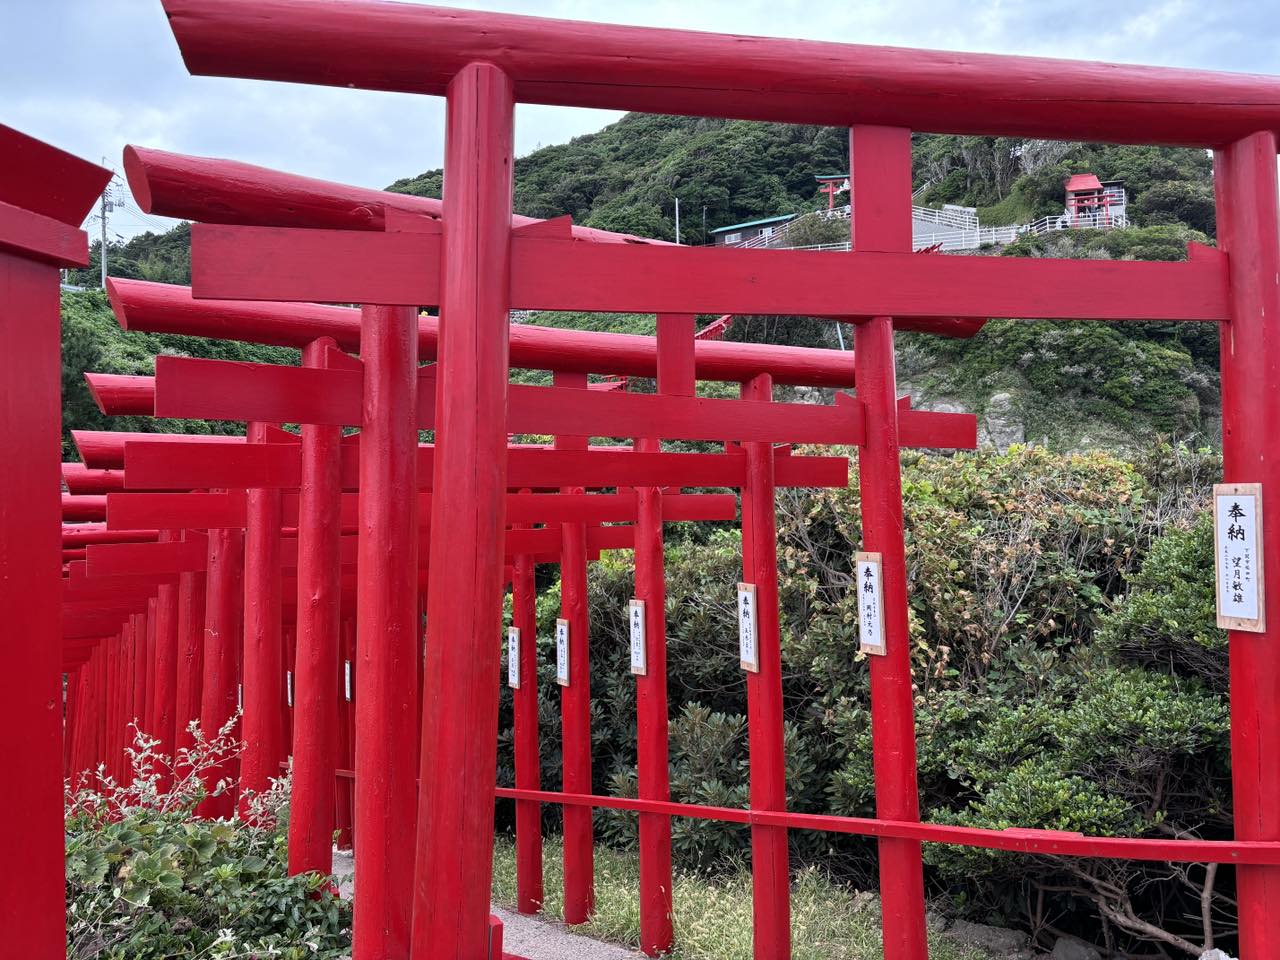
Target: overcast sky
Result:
[[93, 75]]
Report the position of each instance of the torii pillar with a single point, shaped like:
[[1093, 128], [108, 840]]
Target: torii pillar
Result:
[[44, 196], [460, 696], [1249, 231], [880, 191]]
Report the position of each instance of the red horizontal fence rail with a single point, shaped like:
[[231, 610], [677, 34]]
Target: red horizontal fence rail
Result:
[[1013, 839]]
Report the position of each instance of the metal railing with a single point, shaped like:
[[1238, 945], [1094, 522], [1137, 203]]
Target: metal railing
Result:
[[947, 229]]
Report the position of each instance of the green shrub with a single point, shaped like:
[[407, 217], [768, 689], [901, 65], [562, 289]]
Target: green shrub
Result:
[[147, 879], [1168, 620]]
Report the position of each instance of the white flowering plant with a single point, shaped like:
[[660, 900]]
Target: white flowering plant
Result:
[[149, 879]]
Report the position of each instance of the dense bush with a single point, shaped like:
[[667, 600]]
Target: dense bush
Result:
[[1064, 663], [147, 879]]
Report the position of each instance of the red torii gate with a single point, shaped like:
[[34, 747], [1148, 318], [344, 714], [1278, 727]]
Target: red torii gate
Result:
[[134, 395], [688, 419], [137, 395], [236, 397], [45, 194], [483, 64]]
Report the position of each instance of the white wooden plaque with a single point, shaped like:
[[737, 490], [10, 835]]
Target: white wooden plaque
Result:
[[347, 687], [1237, 548], [562, 652], [748, 628], [870, 604], [639, 649], [288, 683], [239, 696], [513, 658]]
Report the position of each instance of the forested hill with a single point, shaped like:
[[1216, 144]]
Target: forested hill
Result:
[[1069, 384], [627, 176]]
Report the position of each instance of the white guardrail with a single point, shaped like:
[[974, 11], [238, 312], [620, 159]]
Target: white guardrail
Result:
[[946, 229]]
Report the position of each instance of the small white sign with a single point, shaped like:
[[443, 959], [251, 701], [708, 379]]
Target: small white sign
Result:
[[513, 658], [870, 604], [639, 649], [562, 652], [239, 696], [1237, 526], [288, 683], [748, 628], [346, 679]]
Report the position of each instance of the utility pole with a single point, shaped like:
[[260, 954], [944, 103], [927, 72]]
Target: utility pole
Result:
[[677, 220], [102, 251], [105, 206]]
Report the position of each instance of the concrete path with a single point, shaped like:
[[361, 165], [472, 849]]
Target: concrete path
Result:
[[523, 936]]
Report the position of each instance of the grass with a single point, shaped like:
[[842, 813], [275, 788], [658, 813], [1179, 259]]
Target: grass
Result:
[[713, 916]]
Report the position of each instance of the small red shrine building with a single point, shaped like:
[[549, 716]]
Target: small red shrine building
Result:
[[1096, 203]]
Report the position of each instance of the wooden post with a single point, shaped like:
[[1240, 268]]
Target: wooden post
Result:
[[118, 704], [225, 572], [316, 691], [133, 694], [770, 876], [528, 759], [33, 245], [166, 693], [575, 700], [460, 707], [881, 194], [190, 663], [102, 736], [263, 670], [146, 717], [344, 821], [1249, 232], [675, 377], [387, 629]]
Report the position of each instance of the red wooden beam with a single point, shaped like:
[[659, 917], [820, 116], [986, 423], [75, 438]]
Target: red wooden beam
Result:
[[81, 479], [48, 181], [84, 507], [1016, 840], [122, 395], [418, 49], [75, 537], [225, 390], [399, 276], [228, 509], [117, 559], [163, 308], [175, 465], [180, 465], [40, 239], [547, 274], [551, 274], [104, 449], [177, 510], [211, 190]]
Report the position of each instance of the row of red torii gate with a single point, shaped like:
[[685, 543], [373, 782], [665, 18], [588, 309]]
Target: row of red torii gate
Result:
[[288, 575]]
